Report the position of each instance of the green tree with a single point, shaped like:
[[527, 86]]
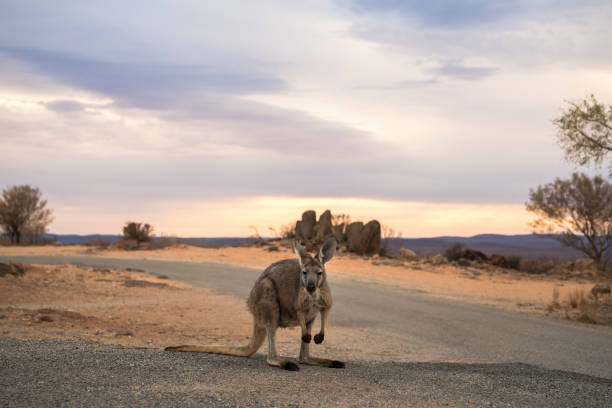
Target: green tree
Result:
[[584, 131], [577, 212], [137, 231], [24, 212]]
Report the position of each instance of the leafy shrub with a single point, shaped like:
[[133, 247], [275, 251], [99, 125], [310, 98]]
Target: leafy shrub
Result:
[[137, 231], [163, 242], [510, 261], [128, 244], [537, 266], [459, 251], [455, 252], [513, 262], [98, 243]]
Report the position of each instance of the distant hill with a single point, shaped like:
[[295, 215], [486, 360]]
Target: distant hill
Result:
[[529, 246], [73, 239]]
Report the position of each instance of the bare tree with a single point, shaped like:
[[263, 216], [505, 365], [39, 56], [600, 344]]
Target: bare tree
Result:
[[338, 219], [23, 212], [256, 234], [388, 234], [577, 212], [584, 131]]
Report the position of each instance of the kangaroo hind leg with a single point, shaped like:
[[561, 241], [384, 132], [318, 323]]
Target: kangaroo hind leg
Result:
[[306, 358], [273, 358], [265, 306]]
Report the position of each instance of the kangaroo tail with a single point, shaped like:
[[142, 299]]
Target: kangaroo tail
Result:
[[259, 335]]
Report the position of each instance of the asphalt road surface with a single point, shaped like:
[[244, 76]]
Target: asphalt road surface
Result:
[[501, 354]]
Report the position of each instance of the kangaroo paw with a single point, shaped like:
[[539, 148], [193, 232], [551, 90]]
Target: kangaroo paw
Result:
[[318, 338], [289, 366], [306, 338], [337, 364]]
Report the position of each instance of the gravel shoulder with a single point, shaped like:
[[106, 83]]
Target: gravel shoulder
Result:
[[59, 372]]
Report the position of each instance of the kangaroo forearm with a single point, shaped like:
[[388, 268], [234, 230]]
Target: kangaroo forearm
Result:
[[305, 329], [324, 315]]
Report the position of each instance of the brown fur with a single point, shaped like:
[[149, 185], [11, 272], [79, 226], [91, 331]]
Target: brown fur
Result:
[[288, 293]]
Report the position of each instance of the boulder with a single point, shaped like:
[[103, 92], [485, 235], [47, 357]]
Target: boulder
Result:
[[359, 238], [323, 229], [438, 259], [11, 268], [353, 236], [370, 238], [338, 232], [363, 239], [408, 254], [304, 229]]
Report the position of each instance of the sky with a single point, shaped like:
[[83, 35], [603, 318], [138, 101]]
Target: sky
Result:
[[204, 118]]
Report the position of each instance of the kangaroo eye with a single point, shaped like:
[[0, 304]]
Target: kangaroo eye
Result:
[[319, 273], [304, 272]]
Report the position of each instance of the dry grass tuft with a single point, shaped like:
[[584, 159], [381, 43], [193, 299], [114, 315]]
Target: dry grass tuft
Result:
[[576, 298], [582, 307], [555, 300]]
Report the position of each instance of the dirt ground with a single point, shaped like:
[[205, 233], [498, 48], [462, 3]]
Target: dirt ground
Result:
[[135, 308], [505, 289]]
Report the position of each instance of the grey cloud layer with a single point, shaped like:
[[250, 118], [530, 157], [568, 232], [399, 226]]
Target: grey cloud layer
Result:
[[145, 85], [200, 100], [506, 33], [442, 12], [461, 13]]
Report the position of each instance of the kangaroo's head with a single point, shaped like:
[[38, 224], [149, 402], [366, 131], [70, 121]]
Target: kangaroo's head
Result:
[[312, 269]]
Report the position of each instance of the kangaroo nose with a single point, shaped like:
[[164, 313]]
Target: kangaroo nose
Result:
[[310, 287]]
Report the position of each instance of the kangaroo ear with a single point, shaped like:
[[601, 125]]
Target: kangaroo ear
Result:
[[327, 250], [299, 251]]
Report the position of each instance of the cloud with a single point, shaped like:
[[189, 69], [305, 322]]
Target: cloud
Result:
[[145, 85], [457, 70], [399, 85], [199, 97], [459, 14], [169, 113], [442, 12], [64, 105], [499, 34]]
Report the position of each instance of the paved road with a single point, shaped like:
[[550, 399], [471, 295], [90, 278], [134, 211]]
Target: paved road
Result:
[[53, 373], [443, 330]]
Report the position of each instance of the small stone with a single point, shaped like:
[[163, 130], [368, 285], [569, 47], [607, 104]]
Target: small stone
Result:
[[142, 283], [600, 289], [408, 254]]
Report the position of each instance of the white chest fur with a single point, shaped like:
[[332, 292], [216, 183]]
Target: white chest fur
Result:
[[313, 303]]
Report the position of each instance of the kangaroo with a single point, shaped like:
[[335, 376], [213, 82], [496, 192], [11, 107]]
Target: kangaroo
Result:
[[288, 293]]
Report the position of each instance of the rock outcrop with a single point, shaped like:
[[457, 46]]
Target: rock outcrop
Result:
[[356, 237]]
